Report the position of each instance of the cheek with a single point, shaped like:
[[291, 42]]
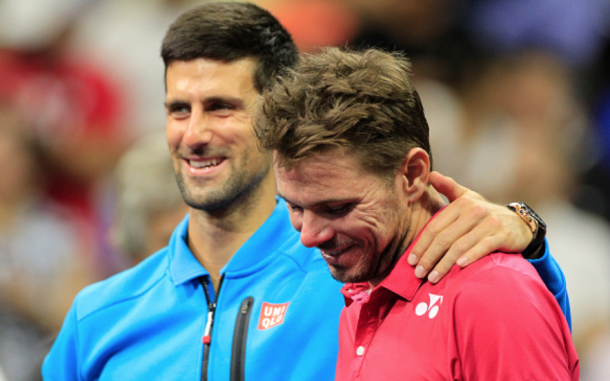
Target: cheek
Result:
[[390, 230], [244, 119], [173, 133], [375, 228], [241, 134]]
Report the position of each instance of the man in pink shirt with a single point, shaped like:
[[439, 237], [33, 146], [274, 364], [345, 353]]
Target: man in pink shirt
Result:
[[353, 161]]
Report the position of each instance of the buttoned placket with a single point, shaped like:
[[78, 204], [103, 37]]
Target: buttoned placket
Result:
[[372, 314]]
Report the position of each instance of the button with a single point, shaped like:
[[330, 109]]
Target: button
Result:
[[360, 351]]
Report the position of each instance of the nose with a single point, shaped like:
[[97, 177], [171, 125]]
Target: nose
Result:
[[198, 131], [314, 230]]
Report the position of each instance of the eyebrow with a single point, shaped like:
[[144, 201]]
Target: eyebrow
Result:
[[215, 99], [283, 197], [322, 202], [171, 103], [238, 102]]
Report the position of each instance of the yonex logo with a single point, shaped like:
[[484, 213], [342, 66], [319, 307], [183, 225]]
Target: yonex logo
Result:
[[432, 309], [272, 315]]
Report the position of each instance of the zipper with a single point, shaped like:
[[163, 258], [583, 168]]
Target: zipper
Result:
[[207, 333], [240, 336]]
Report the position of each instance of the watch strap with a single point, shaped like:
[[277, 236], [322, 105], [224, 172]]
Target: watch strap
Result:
[[534, 222]]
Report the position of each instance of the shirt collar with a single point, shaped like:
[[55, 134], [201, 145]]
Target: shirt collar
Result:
[[183, 264], [401, 281], [255, 253]]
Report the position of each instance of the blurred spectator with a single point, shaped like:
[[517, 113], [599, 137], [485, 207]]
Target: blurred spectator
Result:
[[74, 109], [570, 29], [124, 36], [41, 266], [507, 105], [523, 132], [315, 23], [429, 32], [445, 113], [150, 203], [594, 195], [425, 30]]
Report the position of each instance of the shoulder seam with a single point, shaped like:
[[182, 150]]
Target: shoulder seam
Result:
[[298, 265], [126, 299], [486, 269]]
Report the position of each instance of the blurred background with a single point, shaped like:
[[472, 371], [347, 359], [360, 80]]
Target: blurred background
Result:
[[517, 94]]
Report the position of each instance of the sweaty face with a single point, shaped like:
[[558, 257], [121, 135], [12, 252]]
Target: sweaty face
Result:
[[353, 216], [209, 132]]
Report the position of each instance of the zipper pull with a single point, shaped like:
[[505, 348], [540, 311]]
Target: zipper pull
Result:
[[207, 333]]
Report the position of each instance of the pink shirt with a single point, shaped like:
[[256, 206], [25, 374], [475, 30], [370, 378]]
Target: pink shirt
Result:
[[493, 320]]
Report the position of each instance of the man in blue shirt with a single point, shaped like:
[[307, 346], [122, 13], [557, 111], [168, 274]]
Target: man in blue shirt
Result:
[[235, 294]]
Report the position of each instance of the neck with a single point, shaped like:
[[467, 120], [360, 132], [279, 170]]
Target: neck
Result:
[[215, 238]]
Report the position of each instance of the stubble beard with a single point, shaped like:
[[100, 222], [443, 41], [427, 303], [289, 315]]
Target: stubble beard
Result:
[[237, 190], [372, 267], [367, 270]]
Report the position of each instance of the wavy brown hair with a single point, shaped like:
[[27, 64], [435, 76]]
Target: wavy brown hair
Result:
[[363, 101]]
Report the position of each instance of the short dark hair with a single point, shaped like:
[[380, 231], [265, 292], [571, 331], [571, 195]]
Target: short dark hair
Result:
[[363, 101], [228, 31]]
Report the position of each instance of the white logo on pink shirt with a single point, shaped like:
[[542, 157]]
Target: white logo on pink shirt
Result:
[[432, 309]]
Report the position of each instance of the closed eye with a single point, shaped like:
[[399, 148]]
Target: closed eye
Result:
[[294, 208], [339, 210]]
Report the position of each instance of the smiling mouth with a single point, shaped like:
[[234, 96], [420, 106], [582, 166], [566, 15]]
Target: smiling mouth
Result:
[[205, 163], [335, 252]]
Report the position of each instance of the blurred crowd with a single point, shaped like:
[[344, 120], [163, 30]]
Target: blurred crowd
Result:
[[517, 95]]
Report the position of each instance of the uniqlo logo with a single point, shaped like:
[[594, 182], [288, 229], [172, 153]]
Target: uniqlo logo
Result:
[[272, 315]]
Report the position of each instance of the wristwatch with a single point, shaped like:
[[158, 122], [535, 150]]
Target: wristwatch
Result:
[[535, 223]]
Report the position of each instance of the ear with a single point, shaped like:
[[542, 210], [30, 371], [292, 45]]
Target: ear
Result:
[[413, 174]]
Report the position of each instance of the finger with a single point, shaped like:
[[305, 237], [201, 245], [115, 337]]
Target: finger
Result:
[[480, 241], [447, 186], [486, 246], [449, 242], [457, 250], [430, 246], [442, 220]]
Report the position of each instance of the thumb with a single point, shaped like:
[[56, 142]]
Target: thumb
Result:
[[447, 186]]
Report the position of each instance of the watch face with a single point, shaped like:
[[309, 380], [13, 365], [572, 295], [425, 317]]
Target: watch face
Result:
[[531, 218], [535, 223], [533, 214]]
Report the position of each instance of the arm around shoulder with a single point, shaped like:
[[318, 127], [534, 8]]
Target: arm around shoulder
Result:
[[552, 275]]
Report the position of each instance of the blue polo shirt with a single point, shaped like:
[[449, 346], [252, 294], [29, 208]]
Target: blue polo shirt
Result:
[[147, 323], [277, 315]]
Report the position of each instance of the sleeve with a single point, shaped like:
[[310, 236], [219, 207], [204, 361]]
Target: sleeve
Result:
[[555, 281], [61, 364], [506, 326]]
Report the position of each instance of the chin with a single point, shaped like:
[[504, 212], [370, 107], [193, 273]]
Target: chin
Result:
[[346, 275]]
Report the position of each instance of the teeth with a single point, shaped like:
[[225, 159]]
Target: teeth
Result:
[[205, 163], [333, 253], [336, 251]]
